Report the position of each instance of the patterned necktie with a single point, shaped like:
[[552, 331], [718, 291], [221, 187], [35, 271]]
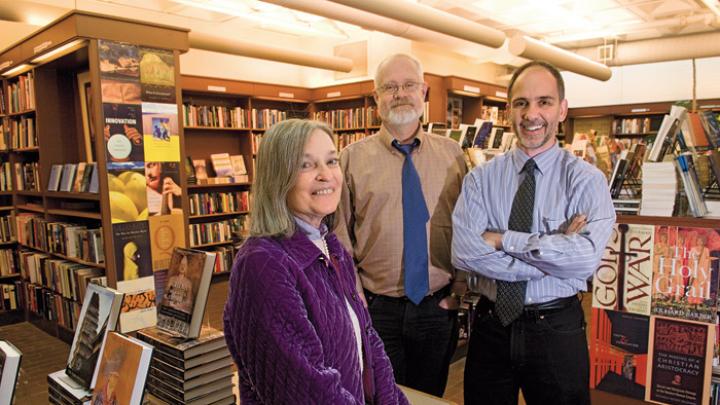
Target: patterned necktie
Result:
[[415, 218], [511, 295]]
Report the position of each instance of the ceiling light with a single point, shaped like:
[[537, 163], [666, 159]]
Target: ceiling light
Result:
[[18, 69], [713, 5], [68, 48]]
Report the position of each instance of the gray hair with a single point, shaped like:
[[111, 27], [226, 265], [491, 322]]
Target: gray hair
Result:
[[278, 161], [392, 58]]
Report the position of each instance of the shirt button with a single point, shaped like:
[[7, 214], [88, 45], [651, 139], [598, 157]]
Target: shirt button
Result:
[[512, 247]]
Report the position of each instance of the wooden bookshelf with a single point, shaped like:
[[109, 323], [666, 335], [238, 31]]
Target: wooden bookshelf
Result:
[[219, 214]]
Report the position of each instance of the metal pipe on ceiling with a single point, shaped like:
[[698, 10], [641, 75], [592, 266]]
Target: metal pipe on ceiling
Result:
[[530, 48], [220, 44]]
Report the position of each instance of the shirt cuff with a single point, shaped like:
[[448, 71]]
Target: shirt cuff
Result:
[[515, 242]]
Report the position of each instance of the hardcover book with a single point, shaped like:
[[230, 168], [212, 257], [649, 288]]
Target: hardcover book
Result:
[[62, 390], [98, 315], [605, 279], [685, 273], [185, 294], [637, 280], [10, 359], [68, 176], [210, 339], [618, 352], [54, 180], [680, 362], [122, 371], [221, 164]]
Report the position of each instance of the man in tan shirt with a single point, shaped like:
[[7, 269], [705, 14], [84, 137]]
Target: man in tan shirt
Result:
[[419, 338]]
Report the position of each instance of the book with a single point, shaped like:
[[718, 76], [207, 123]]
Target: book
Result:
[[691, 185], [186, 364], [68, 176], [98, 315], [221, 397], [10, 359], [93, 187], [239, 169], [664, 139], [637, 280], [680, 361], [188, 374], [200, 169], [468, 135], [605, 279], [192, 394], [54, 180], [221, 164], [190, 170], [209, 339], [618, 352], [63, 390], [483, 133], [181, 385], [79, 176], [123, 369], [185, 294]]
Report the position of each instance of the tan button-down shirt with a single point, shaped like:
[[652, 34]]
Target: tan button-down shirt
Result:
[[369, 221]]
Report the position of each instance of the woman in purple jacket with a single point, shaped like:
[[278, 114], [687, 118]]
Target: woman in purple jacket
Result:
[[293, 321]]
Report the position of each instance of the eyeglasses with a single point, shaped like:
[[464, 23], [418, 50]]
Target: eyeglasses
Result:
[[393, 88]]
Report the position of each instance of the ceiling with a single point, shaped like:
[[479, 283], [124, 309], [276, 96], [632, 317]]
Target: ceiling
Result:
[[565, 23]]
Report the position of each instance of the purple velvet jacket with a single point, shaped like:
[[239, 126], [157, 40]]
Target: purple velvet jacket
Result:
[[289, 331]]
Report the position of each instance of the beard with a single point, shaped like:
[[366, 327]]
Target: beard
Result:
[[535, 142], [401, 116]]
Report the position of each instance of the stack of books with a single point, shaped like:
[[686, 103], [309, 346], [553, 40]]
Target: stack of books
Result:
[[659, 186], [196, 371]]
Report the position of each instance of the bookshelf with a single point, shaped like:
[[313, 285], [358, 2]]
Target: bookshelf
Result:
[[61, 129]]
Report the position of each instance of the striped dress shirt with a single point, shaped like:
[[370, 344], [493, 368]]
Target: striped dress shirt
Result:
[[554, 264]]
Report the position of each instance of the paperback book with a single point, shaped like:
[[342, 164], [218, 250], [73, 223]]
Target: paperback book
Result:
[[122, 371], [10, 359]]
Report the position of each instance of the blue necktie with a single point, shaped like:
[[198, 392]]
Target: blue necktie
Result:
[[415, 218]]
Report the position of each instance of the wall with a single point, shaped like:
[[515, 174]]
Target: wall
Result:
[[652, 82]]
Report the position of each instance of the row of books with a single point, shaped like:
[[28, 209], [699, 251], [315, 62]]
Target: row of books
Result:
[[215, 232], [50, 305], [27, 176], [6, 177], [495, 114], [265, 118], [219, 203], [7, 230], [3, 101], [348, 118], [8, 264], [9, 298], [224, 165], [639, 125], [373, 117], [224, 257], [18, 134], [75, 177], [66, 278], [67, 239], [343, 139], [21, 94], [215, 116]]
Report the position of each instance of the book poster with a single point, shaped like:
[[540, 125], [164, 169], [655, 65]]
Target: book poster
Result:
[[680, 362], [166, 233], [119, 72], [183, 280], [128, 198], [138, 309], [685, 273], [605, 279], [160, 132], [157, 75], [117, 372], [132, 250], [637, 280], [618, 352], [123, 132], [163, 188]]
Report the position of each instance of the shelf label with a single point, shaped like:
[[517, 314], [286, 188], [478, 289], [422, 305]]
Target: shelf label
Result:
[[702, 106], [222, 89], [471, 89], [501, 94], [45, 45], [636, 110], [334, 94], [286, 95], [6, 64]]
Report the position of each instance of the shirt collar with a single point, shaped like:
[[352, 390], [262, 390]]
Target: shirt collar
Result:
[[386, 138], [543, 160], [310, 231]]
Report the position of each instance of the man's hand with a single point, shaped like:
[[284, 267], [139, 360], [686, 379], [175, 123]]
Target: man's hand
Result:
[[493, 239], [576, 224], [452, 302]]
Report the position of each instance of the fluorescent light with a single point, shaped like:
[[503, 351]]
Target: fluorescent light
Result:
[[18, 69], [61, 51]]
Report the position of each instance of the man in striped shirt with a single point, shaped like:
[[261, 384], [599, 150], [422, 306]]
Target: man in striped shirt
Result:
[[540, 346]]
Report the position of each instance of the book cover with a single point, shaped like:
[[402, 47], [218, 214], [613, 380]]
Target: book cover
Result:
[[685, 273], [180, 348], [238, 165], [605, 279], [637, 286], [138, 309], [128, 197], [54, 180], [185, 294], [10, 360], [132, 250], [93, 187], [160, 132], [166, 233], [221, 164], [123, 132], [680, 361], [123, 369], [119, 72], [79, 176], [190, 170], [618, 352], [157, 75], [68, 176], [98, 315], [163, 188], [200, 169], [483, 133]]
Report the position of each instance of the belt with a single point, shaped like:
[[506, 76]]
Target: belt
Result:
[[441, 293], [542, 308]]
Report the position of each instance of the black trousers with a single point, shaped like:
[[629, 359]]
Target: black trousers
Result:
[[420, 340], [544, 353]]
